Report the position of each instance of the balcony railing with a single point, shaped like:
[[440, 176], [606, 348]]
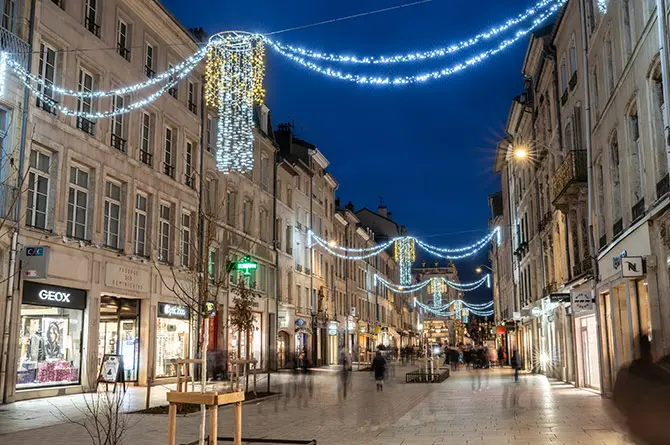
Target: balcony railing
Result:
[[193, 107], [550, 288], [149, 72], [168, 169], [577, 270], [146, 158], [118, 142], [85, 125], [123, 51], [289, 250], [189, 180], [93, 27], [298, 267], [663, 186], [564, 97], [638, 210], [12, 44], [46, 106], [602, 242], [174, 92], [617, 228], [572, 170]]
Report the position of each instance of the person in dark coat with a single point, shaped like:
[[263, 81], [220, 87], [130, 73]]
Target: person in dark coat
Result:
[[379, 368], [516, 364]]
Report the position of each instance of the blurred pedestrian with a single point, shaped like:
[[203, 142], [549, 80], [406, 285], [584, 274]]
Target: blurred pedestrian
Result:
[[379, 369], [501, 358], [344, 374], [516, 364]]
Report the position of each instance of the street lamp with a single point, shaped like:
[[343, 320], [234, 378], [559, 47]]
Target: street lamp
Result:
[[332, 243], [479, 268]]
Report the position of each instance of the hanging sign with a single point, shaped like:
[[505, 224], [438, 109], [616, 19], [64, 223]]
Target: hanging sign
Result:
[[300, 322], [282, 319], [332, 328], [582, 302], [632, 267], [35, 261]]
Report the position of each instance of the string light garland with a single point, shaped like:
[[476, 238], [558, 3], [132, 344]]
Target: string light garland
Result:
[[405, 254], [463, 308], [355, 257], [3, 71], [417, 56], [234, 83], [366, 79], [406, 289], [436, 288], [602, 5], [333, 246]]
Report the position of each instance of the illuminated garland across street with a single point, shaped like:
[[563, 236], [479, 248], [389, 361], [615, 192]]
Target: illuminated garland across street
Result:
[[405, 254], [444, 311], [406, 289], [417, 55]]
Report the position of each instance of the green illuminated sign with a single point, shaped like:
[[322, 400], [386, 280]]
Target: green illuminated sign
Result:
[[246, 266]]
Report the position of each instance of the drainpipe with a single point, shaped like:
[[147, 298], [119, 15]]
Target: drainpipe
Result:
[[587, 117], [4, 351], [274, 360]]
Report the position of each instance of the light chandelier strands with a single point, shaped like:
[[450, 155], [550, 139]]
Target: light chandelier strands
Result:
[[405, 254], [436, 285], [418, 55], [417, 78]]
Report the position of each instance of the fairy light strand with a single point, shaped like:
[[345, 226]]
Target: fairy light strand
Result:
[[418, 56]]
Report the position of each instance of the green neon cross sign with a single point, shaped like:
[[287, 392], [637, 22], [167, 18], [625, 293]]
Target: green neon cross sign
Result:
[[246, 266]]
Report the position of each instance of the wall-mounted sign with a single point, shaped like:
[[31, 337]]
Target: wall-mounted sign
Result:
[[282, 319], [35, 261], [127, 278], [167, 310], [536, 311], [516, 315], [582, 302], [616, 260], [333, 327], [632, 267], [246, 265], [47, 295], [300, 322], [559, 298]]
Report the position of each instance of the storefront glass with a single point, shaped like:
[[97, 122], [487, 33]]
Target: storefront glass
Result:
[[119, 332], [172, 333], [237, 342], [50, 342]]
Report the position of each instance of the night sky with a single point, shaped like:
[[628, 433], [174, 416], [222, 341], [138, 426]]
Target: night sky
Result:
[[427, 149]]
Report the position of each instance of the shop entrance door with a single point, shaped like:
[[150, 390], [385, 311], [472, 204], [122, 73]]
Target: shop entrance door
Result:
[[586, 360], [119, 332]]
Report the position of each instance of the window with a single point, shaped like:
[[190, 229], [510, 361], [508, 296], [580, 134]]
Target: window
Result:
[[8, 19], [168, 167], [122, 39], [140, 224], [627, 17], [210, 123], [635, 160], [185, 239], [164, 233], [118, 139], [149, 61], [189, 179], [289, 239], [246, 216], [572, 54], [231, 206], [306, 189], [657, 104], [91, 18], [615, 178], [146, 139], [174, 89], [265, 162], [279, 193], [38, 190], [211, 264], [569, 140], [192, 98], [47, 72], [85, 104], [564, 77], [77, 203], [609, 64], [262, 225], [289, 196], [596, 95], [112, 215], [590, 11]]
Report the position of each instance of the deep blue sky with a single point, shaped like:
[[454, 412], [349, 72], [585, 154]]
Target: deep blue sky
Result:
[[426, 149]]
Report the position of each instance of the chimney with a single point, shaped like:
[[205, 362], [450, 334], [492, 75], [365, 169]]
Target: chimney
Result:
[[383, 211], [350, 206], [337, 203], [198, 34], [390, 215]]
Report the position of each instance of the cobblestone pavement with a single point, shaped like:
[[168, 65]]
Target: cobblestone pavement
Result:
[[533, 411]]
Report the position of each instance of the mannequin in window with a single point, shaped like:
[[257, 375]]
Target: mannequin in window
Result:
[[36, 347], [52, 346]]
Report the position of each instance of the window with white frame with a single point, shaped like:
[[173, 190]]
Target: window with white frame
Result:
[[627, 17], [85, 104], [609, 64], [118, 138], [634, 156], [265, 163], [164, 233], [91, 17], [192, 98], [174, 89], [77, 203], [123, 39], [189, 178], [149, 60], [47, 73], [246, 215], [112, 217], [564, 77], [8, 15], [572, 57], [141, 208], [185, 239], [38, 190], [263, 225], [146, 138], [168, 158]]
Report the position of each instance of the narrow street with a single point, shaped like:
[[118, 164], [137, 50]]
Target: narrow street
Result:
[[533, 411]]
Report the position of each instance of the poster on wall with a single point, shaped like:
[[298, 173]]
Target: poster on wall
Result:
[[111, 371]]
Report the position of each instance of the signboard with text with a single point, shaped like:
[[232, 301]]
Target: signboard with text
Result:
[[168, 310], [56, 296], [582, 302], [35, 261]]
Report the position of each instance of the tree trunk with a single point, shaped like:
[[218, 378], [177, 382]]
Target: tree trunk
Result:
[[246, 358], [203, 373]]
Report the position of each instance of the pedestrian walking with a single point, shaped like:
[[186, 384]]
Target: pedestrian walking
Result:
[[501, 358], [344, 374], [516, 364], [379, 369]]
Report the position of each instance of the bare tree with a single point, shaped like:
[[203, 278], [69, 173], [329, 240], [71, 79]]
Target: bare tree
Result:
[[242, 319]]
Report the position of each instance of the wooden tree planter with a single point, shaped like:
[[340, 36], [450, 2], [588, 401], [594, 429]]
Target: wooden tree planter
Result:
[[212, 400]]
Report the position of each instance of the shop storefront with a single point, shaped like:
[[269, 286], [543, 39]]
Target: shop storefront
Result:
[[237, 341], [586, 339], [119, 332], [51, 336], [172, 338]]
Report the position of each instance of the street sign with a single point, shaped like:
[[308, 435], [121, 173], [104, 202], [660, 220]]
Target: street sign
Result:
[[35, 261], [246, 265]]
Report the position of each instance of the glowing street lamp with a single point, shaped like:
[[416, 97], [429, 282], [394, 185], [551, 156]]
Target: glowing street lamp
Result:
[[332, 243]]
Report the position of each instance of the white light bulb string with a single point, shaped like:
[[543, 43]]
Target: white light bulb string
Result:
[[417, 78], [463, 287], [179, 70], [377, 251], [417, 55], [477, 245], [444, 312], [323, 242]]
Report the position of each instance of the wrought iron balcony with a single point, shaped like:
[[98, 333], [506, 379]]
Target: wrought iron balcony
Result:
[[93, 27], [617, 228], [168, 169], [12, 44], [118, 142], [174, 92], [193, 107], [146, 158], [550, 288], [603, 241], [123, 51], [85, 125], [569, 179], [149, 72]]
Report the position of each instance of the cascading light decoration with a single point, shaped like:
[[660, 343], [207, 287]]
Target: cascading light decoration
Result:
[[234, 72], [405, 254], [436, 288]]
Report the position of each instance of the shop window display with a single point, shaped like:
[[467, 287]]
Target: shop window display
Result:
[[172, 333], [50, 337]]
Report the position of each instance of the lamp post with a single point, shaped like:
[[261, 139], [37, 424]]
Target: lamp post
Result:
[[480, 270]]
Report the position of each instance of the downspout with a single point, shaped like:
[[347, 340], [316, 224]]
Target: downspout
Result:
[[587, 117], [275, 359], [12, 262]]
